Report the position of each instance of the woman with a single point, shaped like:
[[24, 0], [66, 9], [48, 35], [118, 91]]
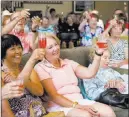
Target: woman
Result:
[[89, 29], [46, 27], [117, 46], [105, 78], [16, 26], [11, 54], [59, 78], [69, 31]]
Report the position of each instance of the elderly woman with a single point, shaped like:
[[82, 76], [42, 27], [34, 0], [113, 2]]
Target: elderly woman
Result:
[[11, 54], [117, 46], [59, 78], [16, 26], [105, 78], [89, 29]]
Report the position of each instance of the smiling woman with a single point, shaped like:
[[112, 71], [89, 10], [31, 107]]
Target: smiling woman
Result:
[[11, 54]]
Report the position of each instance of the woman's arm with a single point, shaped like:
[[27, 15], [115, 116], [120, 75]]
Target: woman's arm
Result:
[[57, 98], [81, 26], [9, 27], [34, 85], [84, 72], [31, 80], [6, 110]]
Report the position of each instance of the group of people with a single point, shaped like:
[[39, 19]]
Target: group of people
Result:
[[45, 73]]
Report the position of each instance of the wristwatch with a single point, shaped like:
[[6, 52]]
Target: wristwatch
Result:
[[98, 54], [74, 104]]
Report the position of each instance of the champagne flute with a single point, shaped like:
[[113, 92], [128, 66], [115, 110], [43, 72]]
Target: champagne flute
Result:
[[42, 40]]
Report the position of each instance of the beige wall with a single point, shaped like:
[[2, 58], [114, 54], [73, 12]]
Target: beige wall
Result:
[[65, 7], [105, 8]]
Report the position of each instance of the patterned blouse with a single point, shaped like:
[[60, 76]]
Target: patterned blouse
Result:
[[117, 50], [21, 105], [87, 36], [95, 86]]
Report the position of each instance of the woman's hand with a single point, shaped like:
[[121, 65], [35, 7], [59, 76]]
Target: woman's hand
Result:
[[120, 86], [111, 84], [38, 54], [36, 21], [88, 108], [113, 22], [12, 89], [24, 13], [100, 50]]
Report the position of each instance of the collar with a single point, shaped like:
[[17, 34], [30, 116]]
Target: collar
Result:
[[48, 64]]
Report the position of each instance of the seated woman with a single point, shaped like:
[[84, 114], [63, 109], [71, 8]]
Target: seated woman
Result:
[[117, 46], [11, 54], [69, 31], [59, 78], [105, 78], [89, 29]]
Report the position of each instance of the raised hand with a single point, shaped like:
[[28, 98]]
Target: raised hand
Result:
[[36, 21], [38, 54], [24, 13]]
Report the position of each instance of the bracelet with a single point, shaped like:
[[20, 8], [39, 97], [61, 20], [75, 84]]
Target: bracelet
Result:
[[74, 104], [98, 54]]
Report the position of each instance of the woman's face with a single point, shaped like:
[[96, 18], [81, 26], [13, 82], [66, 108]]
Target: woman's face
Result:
[[21, 24], [116, 30], [14, 54], [52, 51], [93, 22], [105, 59], [45, 22], [69, 20]]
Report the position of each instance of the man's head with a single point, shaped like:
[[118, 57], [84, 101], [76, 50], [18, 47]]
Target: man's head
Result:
[[52, 12]]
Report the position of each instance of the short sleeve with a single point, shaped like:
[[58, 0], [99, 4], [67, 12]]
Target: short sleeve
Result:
[[41, 72], [73, 64]]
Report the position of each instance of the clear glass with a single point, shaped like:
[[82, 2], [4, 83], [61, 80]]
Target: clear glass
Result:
[[42, 39]]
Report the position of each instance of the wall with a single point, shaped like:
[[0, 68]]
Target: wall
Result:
[[105, 8], [65, 7]]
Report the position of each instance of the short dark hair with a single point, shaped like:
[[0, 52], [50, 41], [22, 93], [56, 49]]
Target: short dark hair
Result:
[[51, 10], [7, 41]]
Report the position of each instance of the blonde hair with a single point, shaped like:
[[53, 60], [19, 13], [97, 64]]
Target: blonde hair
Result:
[[53, 36]]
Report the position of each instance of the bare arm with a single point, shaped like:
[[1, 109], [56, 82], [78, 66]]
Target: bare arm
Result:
[[57, 98], [6, 110], [34, 85], [31, 80], [84, 72], [81, 26], [9, 27]]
